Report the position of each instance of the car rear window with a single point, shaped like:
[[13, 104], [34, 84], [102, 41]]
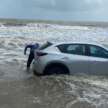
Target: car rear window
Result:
[[45, 45]]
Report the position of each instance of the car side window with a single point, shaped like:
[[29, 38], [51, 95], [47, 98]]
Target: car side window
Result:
[[72, 49], [62, 47], [96, 51]]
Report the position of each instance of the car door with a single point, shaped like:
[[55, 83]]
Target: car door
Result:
[[98, 60], [77, 61]]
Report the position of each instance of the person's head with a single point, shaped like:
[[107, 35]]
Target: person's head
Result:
[[37, 45]]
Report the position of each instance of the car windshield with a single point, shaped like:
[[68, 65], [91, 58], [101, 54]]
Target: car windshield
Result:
[[45, 45]]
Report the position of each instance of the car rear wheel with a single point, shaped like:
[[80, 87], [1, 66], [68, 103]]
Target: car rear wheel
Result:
[[36, 74], [56, 70]]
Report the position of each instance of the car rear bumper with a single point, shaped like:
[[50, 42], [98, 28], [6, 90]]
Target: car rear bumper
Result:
[[37, 68]]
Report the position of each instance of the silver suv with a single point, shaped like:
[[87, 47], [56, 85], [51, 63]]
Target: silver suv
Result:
[[71, 58]]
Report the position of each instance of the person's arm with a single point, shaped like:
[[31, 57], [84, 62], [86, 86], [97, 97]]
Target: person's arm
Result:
[[27, 46]]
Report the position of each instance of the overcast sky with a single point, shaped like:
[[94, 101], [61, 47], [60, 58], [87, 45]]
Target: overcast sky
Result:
[[79, 10]]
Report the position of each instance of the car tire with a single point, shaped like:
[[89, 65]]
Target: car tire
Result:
[[56, 70], [36, 74]]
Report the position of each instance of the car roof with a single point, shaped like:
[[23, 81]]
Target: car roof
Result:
[[78, 42]]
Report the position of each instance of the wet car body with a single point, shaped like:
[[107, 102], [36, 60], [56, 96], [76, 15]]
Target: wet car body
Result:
[[71, 58]]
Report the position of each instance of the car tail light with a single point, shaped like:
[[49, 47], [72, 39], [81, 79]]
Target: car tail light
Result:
[[41, 54]]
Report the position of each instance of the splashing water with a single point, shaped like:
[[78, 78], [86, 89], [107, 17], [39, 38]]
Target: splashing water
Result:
[[50, 91]]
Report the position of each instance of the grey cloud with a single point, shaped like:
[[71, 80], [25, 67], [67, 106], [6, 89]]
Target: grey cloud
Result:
[[55, 9]]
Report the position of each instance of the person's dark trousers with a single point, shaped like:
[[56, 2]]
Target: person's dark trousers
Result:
[[30, 59]]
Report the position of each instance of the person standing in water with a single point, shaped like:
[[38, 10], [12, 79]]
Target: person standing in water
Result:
[[32, 47]]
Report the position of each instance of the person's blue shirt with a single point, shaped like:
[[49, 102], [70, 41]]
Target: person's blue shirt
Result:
[[32, 47]]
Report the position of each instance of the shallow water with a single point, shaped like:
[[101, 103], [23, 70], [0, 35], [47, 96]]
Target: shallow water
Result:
[[20, 89], [55, 91]]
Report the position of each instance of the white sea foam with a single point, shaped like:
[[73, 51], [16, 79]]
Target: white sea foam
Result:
[[12, 61], [89, 89]]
